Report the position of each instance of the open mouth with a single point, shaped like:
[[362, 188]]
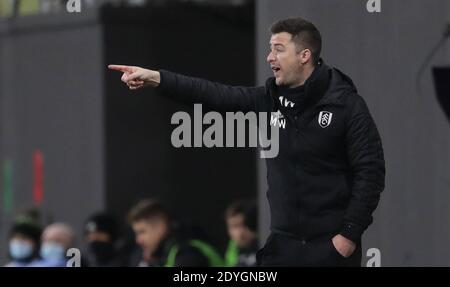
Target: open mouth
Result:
[[275, 69]]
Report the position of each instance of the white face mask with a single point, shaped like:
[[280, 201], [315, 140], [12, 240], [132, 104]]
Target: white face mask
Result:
[[52, 251], [20, 249]]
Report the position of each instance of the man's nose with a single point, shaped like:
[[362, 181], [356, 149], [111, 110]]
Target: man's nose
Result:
[[270, 57]]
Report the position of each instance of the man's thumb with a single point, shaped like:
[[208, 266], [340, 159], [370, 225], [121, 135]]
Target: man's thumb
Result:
[[134, 76]]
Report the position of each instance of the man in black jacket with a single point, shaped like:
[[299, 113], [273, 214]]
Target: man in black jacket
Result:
[[326, 181]]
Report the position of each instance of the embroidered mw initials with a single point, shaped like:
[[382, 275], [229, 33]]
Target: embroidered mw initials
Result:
[[285, 102], [277, 119]]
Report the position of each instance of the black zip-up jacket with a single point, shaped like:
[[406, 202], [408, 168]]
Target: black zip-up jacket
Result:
[[329, 173]]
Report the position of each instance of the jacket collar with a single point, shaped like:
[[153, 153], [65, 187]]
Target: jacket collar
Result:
[[326, 86], [339, 86]]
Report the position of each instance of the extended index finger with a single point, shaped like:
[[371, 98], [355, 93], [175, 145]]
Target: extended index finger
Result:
[[121, 68]]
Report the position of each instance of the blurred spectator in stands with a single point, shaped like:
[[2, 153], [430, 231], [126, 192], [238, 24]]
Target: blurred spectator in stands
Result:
[[10, 8], [163, 244], [51, 6], [101, 236], [57, 238], [241, 220], [6, 8], [24, 244], [30, 215]]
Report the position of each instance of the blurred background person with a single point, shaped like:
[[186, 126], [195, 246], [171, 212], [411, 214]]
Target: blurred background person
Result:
[[10, 8], [24, 244], [163, 242], [101, 237], [241, 220], [57, 238]]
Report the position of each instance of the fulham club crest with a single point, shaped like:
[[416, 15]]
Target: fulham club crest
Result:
[[325, 118]]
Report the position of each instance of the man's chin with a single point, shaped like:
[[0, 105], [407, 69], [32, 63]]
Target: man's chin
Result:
[[278, 81]]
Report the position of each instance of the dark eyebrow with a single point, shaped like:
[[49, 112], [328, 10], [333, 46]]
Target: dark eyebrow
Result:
[[277, 44]]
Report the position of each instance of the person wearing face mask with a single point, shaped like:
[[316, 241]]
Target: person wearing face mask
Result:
[[101, 236], [57, 238], [24, 244]]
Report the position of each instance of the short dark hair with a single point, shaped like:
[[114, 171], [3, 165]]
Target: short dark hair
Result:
[[148, 209], [246, 208], [27, 229], [303, 33], [103, 222]]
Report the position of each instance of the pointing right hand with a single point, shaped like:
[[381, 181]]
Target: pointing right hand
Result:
[[137, 77]]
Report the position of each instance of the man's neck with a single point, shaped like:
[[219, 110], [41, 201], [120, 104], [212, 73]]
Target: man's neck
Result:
[[304, 75]]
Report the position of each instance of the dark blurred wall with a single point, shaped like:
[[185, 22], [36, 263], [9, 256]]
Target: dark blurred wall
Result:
[[382, 52], [216, 43], [51, 100]]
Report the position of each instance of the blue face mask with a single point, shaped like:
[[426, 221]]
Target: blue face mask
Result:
[[20, 249], [52, 251]]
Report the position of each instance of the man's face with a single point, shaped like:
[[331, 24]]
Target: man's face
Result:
[[57, 236], [149, 233], [98, 236], [238, 232], [21, 246], [285, 60], [24, 240]]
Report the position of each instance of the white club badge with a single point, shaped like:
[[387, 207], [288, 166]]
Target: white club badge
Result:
[[325, 118]]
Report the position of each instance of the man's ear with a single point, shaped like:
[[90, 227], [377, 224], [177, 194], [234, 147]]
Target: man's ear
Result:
[[304, 56]]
